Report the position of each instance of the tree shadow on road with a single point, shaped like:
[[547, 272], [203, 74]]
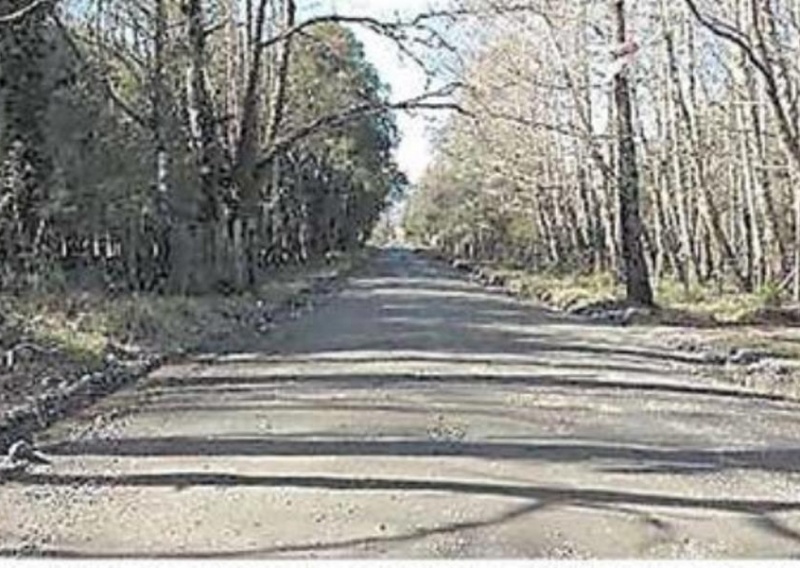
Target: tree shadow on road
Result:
[[624, 458], [442, 321], [575, 497], [535, 497], [447, 315], [402, 378], [312, 548]]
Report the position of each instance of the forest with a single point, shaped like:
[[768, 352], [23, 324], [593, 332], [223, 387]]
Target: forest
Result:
[[183, 146], [656, 141]]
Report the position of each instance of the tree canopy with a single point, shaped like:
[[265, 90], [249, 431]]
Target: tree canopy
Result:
[[184, 145]]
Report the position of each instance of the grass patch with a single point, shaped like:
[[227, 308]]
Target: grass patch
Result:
[[83, 325], [679, 305], [562, 291], [726, 306], [53, 323]]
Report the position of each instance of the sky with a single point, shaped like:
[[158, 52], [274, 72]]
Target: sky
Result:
[[404, 77]]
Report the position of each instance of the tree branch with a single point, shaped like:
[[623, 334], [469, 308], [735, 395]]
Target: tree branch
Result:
[[23, 12], [731, 34], [426, 101], [393, 29]]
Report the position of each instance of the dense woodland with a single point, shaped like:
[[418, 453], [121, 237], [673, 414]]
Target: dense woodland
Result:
[[183, 145], [655, 139]]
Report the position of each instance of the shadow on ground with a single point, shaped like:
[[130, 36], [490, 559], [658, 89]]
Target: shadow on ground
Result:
[[414, 326]]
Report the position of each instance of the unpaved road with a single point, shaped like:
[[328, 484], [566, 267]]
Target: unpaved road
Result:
[[417, 415]]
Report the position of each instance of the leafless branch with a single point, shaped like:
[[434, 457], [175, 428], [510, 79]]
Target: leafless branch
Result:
[[24, 11], [427, 101], [396, 29], [728, 32]]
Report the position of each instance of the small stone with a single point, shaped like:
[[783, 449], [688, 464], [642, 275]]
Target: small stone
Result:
[[744, 357]]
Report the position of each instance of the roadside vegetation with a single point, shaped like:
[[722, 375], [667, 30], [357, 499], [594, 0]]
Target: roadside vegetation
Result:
[[49, 341], [697, 306], [174, 173]]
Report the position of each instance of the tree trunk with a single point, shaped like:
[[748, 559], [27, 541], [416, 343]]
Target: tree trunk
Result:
[[162, 247], [638, 289]]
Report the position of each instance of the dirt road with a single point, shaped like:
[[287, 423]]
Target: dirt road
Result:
[[418, 415]]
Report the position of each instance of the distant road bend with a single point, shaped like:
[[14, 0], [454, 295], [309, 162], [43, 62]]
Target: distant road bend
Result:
[[416, 414]]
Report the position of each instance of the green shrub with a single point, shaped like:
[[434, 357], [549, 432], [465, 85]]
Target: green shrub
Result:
[[770, 295]]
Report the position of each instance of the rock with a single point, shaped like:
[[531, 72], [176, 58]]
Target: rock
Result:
[[22, 451], [769, 367], [744, 357], [624, 316], [603, 308]]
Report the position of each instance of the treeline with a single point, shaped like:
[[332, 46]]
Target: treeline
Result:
[[533, 171], [183, 145]]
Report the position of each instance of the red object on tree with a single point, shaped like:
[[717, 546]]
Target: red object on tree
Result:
[[627, 51]]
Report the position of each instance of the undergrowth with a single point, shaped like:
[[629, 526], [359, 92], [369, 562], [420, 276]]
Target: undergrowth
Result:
[[83, 325], [706, 302]]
